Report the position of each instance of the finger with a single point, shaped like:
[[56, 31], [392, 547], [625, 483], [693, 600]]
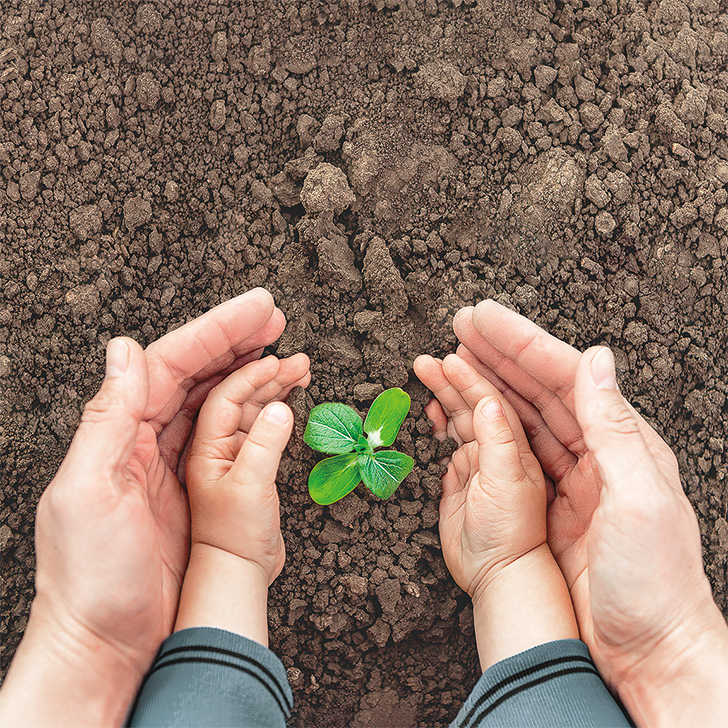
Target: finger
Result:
[[550, 490], [186, 420], [184, 455], [234, 404], [538, 366], [206, 346], [295, 372], [611, 428], [291, 371], [431, 374], [548, 362], [257, 463], [499, 459], [515, 399], [435, 413], [458, 472], [556, 459], [472, 387], [555, 437], [302, 382], [179, 429], [107, 433], [221, 414], [429, 371]]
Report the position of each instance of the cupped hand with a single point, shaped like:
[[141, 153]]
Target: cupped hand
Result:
[[233, 462], [493, 505], [493, 515], [112, 528], [620, 526]]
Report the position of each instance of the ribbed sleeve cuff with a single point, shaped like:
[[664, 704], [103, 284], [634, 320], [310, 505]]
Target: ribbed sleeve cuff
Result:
[[205, 676], [554, 684]]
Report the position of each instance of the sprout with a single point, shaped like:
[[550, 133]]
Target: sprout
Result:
[[336, 429]]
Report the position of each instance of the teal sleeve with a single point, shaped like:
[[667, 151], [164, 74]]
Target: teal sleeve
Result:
[[555, 684], [210, 677]]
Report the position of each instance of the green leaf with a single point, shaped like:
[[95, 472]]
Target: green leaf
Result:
[[333, 478], [362, 445], [383, 471], [386, 416], [332, 428]]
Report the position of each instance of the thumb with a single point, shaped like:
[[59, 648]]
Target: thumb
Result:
[[257, 462], [610, 428], [499, 459], [107, 434]]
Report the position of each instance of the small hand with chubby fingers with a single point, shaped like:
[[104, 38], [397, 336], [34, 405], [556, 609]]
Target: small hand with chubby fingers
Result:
[[241, 432]]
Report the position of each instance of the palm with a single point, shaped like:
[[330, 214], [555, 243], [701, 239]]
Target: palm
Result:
[[569, 518], [163, 515], [469, 523], [183, 367], [132, 519], [453, 510], [536, 373]]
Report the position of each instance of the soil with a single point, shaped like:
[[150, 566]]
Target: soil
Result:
[[376, 165]]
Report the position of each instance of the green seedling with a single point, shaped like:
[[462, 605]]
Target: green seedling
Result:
[[337, 430]]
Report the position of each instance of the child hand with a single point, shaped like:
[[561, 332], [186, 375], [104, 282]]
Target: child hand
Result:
[[240, 435], [493, 507], [493, 515]]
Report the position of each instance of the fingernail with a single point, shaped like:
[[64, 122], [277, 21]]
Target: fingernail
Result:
[[493, 410], [277, 413], [602, 370], [117, 358]]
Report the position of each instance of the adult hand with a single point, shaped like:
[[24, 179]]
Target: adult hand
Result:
[[620, 526], [112, 529]]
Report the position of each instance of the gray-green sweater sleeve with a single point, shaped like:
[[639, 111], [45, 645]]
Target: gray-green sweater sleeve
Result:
[[555, 684], [210, 677]]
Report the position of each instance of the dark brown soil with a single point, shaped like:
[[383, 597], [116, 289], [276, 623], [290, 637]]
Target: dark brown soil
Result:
[[569, 159]]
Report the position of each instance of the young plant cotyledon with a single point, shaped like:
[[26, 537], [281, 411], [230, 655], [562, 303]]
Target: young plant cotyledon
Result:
[[336, 429]]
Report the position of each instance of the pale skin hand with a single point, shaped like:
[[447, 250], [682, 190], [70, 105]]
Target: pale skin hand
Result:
[[112, 530], [237, 545], [493, 516], [619, 524]]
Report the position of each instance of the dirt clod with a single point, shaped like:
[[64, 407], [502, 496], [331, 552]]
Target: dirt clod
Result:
[[137, 212], [326, 189], [85, 221]]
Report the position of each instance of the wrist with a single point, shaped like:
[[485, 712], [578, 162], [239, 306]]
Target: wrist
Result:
[[224, 590], [682, 680], [62, 674], [506, 623]]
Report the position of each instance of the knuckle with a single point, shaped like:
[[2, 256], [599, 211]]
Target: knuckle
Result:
[[614, 418], [464, 411], [621, 420], [260, 441], [503, 435], [96, 409]]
